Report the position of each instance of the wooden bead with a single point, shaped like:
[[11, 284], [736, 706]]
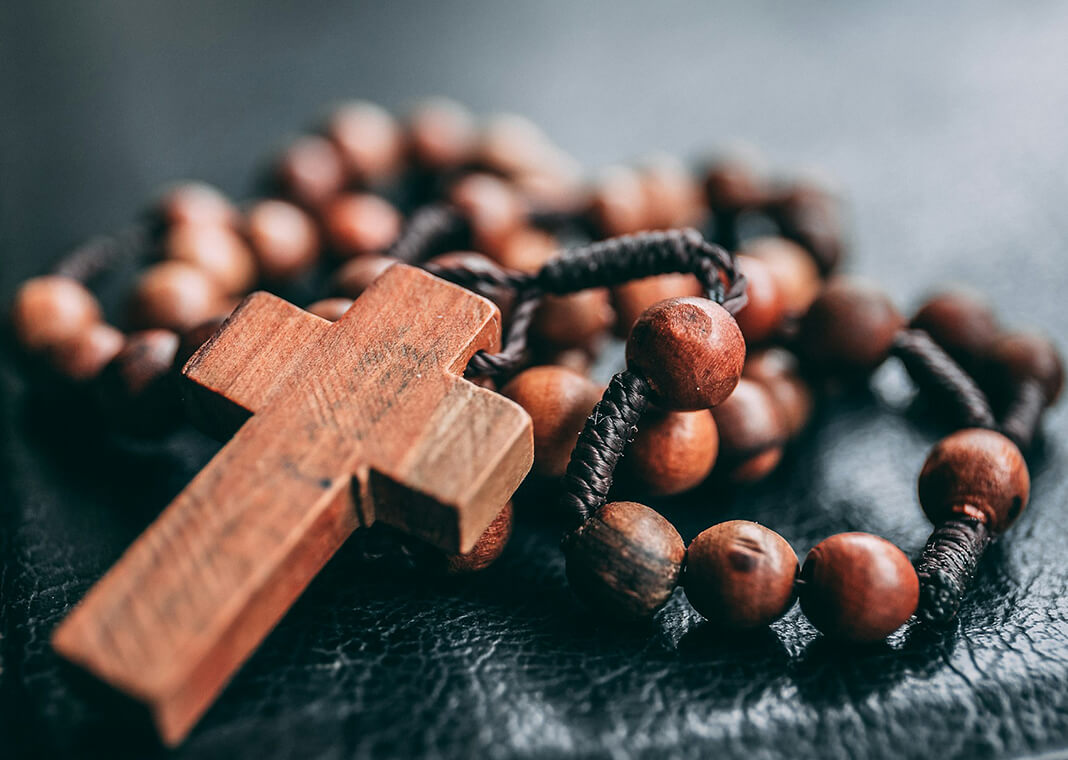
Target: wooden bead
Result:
[[311, 171], [850, 327], [492, 207], [740, 575], [673, 451], [1028, 356], [330, 308], [356, 275], [777, 370], [360, 224], [196, 203], [526, 250], [284, 239], [441, 134], [575, 320], [632, 298], [975, 473], [792, 268], [625, 560], [858, 587], [558, 401], [176, 296], [618, 203], [218, 251], [751, 432], [82, 356], [511, 144], [672, 196], [575, 359], [369, 140], [765, 310], [960, 321], [690, 350], [52, 309], [812, 215], [487, 549], [136, 390], [731, 185]]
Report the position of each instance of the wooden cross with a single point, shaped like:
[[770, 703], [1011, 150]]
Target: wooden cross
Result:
[[340, 424]]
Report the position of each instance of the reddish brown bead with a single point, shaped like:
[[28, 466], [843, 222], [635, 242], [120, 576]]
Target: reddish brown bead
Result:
[[858, 587], [673, 451], [850, 327], [284, 239], [492, 208], [558, 401], [176, 296], [793, 270], [813, 216], [632, 298], [196, 203], [618, 204], [511, 144], [330, 308], [82, 356], [360, 224], [575, 359], [1029, 356], [975, 473], [690, 350], [218, 251], [487, 549], [960, 321], [311, 171], [576, 320], [136, 390], [672, 196], [776, 369], [441, 134], [765, 310], [751, 432], [526, 250], [369, 139], [52, 309], [356, 275], [625, 560], [740, 575], [731, 185]]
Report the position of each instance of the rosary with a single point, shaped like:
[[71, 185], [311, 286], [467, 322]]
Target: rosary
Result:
[[379, 405]]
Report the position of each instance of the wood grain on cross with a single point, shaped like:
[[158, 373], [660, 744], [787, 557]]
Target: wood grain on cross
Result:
[[338, 425]]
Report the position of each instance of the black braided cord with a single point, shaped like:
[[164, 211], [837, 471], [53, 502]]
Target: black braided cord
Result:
[[431, 230], [947, 565], [99, 255], [1022, 416]]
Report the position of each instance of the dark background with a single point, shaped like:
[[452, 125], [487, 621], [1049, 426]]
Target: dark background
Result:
[[945, 127]]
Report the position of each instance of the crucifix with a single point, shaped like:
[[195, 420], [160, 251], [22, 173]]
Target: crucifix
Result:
[[338, 425]]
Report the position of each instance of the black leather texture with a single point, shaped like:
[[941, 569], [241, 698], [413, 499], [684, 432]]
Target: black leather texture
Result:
[[946, 129]]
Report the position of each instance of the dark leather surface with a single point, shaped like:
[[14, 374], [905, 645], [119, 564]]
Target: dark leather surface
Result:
[[946, 130]]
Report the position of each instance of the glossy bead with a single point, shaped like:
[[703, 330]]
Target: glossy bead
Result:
[[751, 432], [526, 250], [765, 310], [672, 196], [777, 370], [82, 356], [575, 320], [311, 171], [218, 251], [731, 185], [740, 575], [858, 587], [558, 401], [510, 144], [175, 296], [360, 224], [441, 134], [960, 321], [632, 298], [618, 205], [195, 203], [850, 327], [792, 268], [690, 350], [672, 451], [356, 275], [330, 308], [284, 239], [1022, 356], [136, 390], [975, 473], [812, 215], [52, 309], [487, 549], [492, 207], [369, 140], [625, 560]]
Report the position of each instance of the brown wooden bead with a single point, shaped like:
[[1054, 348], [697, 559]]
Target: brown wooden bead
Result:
[[52, 309], [82, 356], [575, 359], [356, 275], [618, 204], [526, 250], [812, 214], [330, 308], [740, 575], [218, 251], [791, 267], [1022, 356], [176, 296], [196, 203], [672, 196], [690, 350], [575, 320], [731, 185], [511, 144], [487, 549], [673, 451], [311, 171], [777, 370], [975, 473], [359, 224], [284, 239], [136, 389], [558, 401], [850, 327], [765, 310], [858, 587], [625, 560], [751, 432], [369, 139], [632, 298], [960, 321], [492, 208], [441, 134]]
